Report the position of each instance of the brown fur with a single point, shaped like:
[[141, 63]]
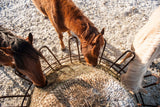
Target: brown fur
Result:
[[5, 59], [21, 55], [65, 16]]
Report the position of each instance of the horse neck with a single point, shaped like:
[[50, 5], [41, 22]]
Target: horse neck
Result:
[[74, 19], [92, 33], [79, 27]]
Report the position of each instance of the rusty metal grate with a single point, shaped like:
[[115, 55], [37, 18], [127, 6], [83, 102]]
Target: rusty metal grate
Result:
[[118, 68]]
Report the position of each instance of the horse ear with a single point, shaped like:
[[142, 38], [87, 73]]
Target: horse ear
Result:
[[7, 50], [30, 38], [85, 33], [102, 32], [96, 39]]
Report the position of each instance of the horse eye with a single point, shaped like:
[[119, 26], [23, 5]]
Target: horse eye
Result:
[[93, 44]]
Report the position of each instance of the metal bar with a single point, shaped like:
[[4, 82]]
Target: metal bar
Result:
[[155, 83], [103, 51], [22, 76], [67, 58], [47, 62], [139, 105], [14, 106], [141, 98], [78, 49], [11, 96], [51, 53], [135, 96], [26, 94], [143, 103], [46, 59], [69, 45], [127, 63], [147, 75], [137, 99], [118, 66], [119, 72], [120, 57]]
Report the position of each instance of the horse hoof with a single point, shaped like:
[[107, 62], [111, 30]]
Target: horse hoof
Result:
[[45, 17], [64, 49]]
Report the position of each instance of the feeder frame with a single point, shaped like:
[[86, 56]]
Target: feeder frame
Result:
[[118, 68]]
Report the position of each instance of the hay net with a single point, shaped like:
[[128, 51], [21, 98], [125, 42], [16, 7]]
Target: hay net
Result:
[[79, 86]]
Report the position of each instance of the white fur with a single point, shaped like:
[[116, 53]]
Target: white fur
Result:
[[147, 47]]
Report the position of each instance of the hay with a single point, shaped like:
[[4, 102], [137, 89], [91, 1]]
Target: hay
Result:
[[79, 85]]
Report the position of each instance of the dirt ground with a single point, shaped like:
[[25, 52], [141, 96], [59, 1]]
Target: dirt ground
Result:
[[121, 18]]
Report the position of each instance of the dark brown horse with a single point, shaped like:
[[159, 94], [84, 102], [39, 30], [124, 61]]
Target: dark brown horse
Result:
[[65, 16], [20, 54]]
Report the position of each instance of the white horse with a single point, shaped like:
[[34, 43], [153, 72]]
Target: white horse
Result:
[[146, 46]]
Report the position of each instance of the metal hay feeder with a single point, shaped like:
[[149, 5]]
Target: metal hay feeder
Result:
[[102, 61]]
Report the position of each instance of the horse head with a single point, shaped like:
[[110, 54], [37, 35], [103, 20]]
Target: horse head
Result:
[[26, 59], [91, 49]]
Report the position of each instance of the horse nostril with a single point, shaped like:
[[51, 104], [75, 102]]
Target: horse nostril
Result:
[[94, 65], [46, 83]]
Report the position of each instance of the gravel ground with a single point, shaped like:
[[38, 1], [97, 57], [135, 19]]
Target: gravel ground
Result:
[[121, 18]]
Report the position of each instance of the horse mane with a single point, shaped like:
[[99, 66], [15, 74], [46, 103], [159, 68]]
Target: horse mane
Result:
[[75, 20], [19, 47], [90, 33]]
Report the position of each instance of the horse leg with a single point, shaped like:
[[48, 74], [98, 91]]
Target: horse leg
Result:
[[60, 35], [39, 7], [61, 41], [126, 57]]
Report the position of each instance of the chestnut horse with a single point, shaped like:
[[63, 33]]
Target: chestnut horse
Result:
[[20, 54], [65, 16]]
